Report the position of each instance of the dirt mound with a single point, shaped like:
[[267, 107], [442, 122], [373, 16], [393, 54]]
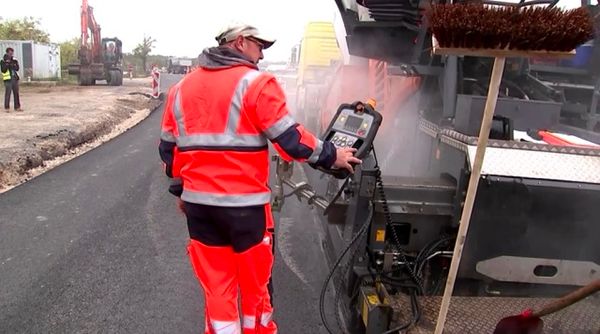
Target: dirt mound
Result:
[[59, 126]]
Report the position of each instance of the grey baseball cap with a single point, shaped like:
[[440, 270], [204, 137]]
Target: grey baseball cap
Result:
[[231, 32]]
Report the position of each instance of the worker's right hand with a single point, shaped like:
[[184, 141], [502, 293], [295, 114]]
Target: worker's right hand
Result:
[[344, 157], [181, 205]]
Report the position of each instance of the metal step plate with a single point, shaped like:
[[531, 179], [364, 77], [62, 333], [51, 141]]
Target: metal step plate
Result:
[[479, 315]]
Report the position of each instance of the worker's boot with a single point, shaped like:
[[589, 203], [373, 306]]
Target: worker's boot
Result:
[[216, 270], [254, 271]]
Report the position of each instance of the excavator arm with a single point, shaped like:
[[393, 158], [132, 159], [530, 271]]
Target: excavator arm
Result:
[[91, 49]]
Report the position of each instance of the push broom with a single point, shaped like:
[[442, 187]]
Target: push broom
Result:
[[519, 30], [530, 322]]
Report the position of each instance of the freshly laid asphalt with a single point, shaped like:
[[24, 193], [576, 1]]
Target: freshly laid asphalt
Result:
[[97, 245]]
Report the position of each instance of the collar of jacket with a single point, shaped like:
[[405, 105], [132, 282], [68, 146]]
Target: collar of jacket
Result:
[[222, 57]]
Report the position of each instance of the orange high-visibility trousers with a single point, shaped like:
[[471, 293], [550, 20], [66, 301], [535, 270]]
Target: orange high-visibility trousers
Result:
[[222, 271], [216, 270], [254, 271]]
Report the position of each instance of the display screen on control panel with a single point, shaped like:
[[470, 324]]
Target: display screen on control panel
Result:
[[353, 123]]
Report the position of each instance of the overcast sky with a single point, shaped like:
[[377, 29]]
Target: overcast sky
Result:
[[182, 27]]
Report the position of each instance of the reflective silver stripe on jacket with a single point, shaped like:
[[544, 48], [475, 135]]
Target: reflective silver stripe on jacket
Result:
[[235, 109], [178, 111], [279, 127], [228, 138], [314, 157], [222, 140], [229, 200], [167, 136]]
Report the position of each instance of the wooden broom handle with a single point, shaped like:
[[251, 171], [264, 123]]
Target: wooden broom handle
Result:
[[569, 299], [465, 219]]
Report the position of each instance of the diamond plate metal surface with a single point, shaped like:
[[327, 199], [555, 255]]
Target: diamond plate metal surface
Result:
[[428, 127], [479, 315], [521, 145], [450, 136], [538, 165], [523, 159]]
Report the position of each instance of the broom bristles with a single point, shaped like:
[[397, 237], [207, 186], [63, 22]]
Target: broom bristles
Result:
[[478, 26]]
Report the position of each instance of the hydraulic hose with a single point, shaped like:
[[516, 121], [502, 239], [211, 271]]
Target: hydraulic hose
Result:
[[356, 237], [388, 218]]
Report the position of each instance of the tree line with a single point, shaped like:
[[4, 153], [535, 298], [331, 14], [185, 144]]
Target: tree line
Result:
[[29, 28]]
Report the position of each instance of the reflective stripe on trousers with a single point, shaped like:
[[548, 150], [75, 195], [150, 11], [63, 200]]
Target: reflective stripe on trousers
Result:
[[225, 327], [220, 272], [254, 271], [249, 324], [216, 270]]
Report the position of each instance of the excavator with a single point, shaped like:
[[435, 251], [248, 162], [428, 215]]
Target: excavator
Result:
[[389, 229], [99, 58]]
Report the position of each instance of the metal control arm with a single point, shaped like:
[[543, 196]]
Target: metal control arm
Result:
[[283, 175]]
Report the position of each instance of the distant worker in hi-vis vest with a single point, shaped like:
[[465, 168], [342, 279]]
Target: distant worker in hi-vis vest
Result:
[[9, 68]]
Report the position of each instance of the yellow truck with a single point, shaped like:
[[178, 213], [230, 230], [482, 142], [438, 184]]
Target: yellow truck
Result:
[[319, 52]]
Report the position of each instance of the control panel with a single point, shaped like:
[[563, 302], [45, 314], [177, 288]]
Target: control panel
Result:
[[354, 125]]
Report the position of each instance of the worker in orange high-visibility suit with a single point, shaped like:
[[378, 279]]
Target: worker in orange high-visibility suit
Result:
[[216, 126]]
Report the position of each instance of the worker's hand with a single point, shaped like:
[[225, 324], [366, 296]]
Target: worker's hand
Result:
[[181, 205], [344, 157]]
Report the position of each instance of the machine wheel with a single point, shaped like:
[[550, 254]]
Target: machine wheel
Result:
[[115, 78], [85, 78], [119, 78], [111, 78]]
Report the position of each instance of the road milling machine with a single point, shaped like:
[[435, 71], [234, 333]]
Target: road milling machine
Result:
[[390, 228]]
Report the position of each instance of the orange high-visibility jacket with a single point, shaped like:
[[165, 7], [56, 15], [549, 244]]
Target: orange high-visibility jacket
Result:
[[215, 130]]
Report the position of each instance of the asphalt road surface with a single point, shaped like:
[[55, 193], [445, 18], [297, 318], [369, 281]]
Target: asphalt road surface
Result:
[[97, 245]]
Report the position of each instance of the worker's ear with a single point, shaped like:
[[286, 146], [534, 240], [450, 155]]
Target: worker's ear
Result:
[[240, 43]]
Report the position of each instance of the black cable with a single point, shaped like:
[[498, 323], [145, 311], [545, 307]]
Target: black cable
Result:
[[345, 273], [360, 232], [388, 218], [337, 195], [427, 251], [414, 303]]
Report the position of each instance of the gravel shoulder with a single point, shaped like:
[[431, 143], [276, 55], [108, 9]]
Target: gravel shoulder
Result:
[[62, 122]]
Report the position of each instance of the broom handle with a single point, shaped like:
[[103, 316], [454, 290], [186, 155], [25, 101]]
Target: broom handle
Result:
[[484, 132], [569, 299]]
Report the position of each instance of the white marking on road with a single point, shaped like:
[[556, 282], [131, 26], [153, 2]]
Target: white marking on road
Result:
[[41, 218], [285, 247]]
